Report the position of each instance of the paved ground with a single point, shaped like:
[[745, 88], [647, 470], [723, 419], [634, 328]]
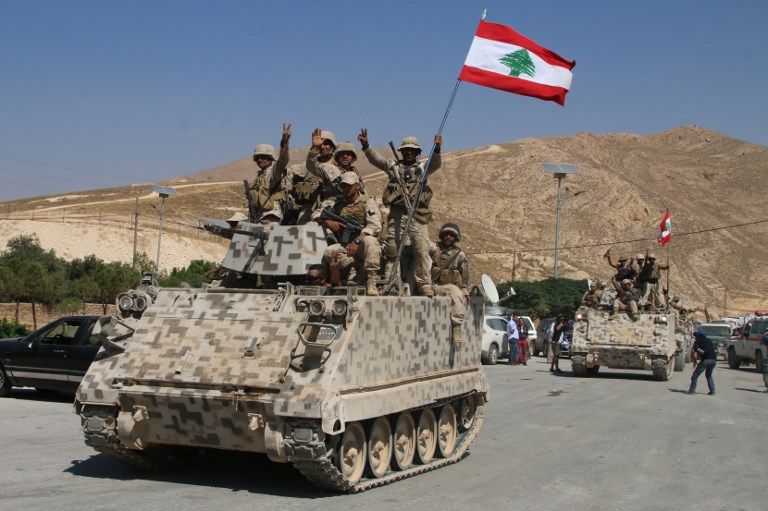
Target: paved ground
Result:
[[620, 441]]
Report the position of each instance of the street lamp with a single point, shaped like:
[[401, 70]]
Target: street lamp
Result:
[[559, 171], [163, 192]]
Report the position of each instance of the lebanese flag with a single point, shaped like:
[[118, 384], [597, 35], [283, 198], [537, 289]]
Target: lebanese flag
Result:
[[665, 229], [502, 59]]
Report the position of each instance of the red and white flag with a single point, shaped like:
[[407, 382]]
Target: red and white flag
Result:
[[502, 59], [665, 229]]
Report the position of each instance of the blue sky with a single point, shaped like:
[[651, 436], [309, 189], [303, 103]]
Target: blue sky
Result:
[[137, 91]]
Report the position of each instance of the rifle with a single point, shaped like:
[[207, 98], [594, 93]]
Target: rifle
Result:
[[350, 227], [406, 196], [253, 211]]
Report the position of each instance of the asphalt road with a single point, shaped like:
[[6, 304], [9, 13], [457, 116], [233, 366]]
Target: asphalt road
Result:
[[619, 441]]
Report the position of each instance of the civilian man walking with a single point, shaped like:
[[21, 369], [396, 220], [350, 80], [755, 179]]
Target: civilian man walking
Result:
[[705, 353], [513, 334]]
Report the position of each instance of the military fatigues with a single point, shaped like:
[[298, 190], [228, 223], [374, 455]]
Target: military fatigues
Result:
[[269, 189], [330, 174], [626, 300], [592, 298], [450, 277], [398, 214], [303, 189], [368, 256], [650, 287]]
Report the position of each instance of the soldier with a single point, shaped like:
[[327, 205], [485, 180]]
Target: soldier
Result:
[[450, 275], [624, 269], [648, 280], [404, 177], [363, 252], [330, 168], [593, 295], [626, 300], [269, 186]]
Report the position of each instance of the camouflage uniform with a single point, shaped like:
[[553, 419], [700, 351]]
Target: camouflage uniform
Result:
[[648, 279], [393, 197], [626, 300], [450, 277], [330, 173], [303, 189], [366, 261], [592, 297], [269, 186]]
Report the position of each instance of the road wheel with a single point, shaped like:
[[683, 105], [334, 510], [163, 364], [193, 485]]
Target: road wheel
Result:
[[404, 443], [351, 453], [734, 362], [759, 361], [467, 412], [493, 354], [577, 366], [663, 369], [426, 436], [447, 431], [592, 371], [379, 447], [5, 383]]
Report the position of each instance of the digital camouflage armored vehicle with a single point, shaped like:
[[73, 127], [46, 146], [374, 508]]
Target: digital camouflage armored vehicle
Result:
[[618, 342], [355, 391]]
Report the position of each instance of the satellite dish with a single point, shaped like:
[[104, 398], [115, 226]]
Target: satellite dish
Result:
[[489, 288]]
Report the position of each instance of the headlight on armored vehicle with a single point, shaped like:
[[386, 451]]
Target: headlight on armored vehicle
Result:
[[124, 302], [339, 308], [140, 302], [661, 319], [317, 307], [579, 316]]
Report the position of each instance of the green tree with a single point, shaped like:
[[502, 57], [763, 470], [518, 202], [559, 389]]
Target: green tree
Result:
[[195, 274], [113, 279], [12, 329], [548, 297], [519, 63]]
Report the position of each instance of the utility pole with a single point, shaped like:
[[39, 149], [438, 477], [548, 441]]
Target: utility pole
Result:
[[135, 229], [559, 171]]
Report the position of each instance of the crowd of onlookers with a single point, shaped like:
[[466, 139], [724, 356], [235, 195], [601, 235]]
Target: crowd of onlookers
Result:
[[517, 335]]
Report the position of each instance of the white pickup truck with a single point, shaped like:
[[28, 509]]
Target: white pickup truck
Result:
[[746, 347]]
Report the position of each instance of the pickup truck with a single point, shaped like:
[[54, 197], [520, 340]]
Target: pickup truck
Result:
[[745, 348]]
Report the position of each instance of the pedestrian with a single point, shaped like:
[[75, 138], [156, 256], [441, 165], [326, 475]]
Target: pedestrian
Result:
[[558, 334], [704, 357], [513, 335], [764, 342], [522, 342]]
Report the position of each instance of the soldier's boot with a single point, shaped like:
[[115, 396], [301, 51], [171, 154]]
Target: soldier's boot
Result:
[[457, 335], [635, 317], [427, 290], [370, 288]]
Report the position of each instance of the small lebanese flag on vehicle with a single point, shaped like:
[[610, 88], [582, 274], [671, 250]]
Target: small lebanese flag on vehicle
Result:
[[502, 59], [665, 229]]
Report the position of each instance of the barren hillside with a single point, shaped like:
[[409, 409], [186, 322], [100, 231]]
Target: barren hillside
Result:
[[505, 205]]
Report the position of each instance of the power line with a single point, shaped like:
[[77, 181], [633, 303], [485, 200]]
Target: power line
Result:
[[621, 242], [43, 164], [58, 178]]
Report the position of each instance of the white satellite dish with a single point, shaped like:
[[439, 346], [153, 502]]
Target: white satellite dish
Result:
[[489, 288]]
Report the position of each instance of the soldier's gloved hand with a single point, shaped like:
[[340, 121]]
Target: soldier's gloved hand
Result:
[[333, 225], [363, 138], [286, 135]]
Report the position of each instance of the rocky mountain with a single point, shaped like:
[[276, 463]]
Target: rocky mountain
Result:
[[505, 206]]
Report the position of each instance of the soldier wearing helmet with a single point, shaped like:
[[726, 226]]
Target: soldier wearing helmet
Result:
[[594, 294], [649, 283], [624, 269], [405, 175], [363, 253], [270, 184], [626, 300], [450, 275], [328, 161]]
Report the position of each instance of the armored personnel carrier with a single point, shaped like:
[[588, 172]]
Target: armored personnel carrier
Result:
[[618, 342], [355, 391]]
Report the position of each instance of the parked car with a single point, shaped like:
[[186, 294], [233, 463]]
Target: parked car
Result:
[[494, 342], [745, 348], [56, 356]]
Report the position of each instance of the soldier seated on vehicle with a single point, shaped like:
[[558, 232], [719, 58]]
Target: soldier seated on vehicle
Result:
[[450, 275], [593, 296], [626, 300], [363, 253]]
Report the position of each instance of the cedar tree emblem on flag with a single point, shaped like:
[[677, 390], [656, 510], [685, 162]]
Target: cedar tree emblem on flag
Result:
[[665, 229], [502, 59]]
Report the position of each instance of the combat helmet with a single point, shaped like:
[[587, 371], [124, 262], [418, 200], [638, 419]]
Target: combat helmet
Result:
[[451, 228], [344, 147], [410, 142], [265, 150], [329, 136]]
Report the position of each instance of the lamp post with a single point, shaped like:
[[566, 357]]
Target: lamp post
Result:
[[559, 171], [163, 192]]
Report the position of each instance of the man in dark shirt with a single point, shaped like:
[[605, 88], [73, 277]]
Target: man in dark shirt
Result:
[[705, 357]]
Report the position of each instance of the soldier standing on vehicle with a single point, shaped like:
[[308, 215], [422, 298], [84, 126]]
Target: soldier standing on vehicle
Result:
[[329, 169], [704, 355], [450, 275], [363, 253], [649, 280], [405, 175], [269, 186], [624, 269], [626, 300]]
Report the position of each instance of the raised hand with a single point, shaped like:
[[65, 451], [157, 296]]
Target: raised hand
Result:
[[438, 141], [317, 137], [286, 136], [363, 138]]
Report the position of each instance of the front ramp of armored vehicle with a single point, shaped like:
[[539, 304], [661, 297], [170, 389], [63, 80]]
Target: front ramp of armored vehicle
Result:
[[618, 342]]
